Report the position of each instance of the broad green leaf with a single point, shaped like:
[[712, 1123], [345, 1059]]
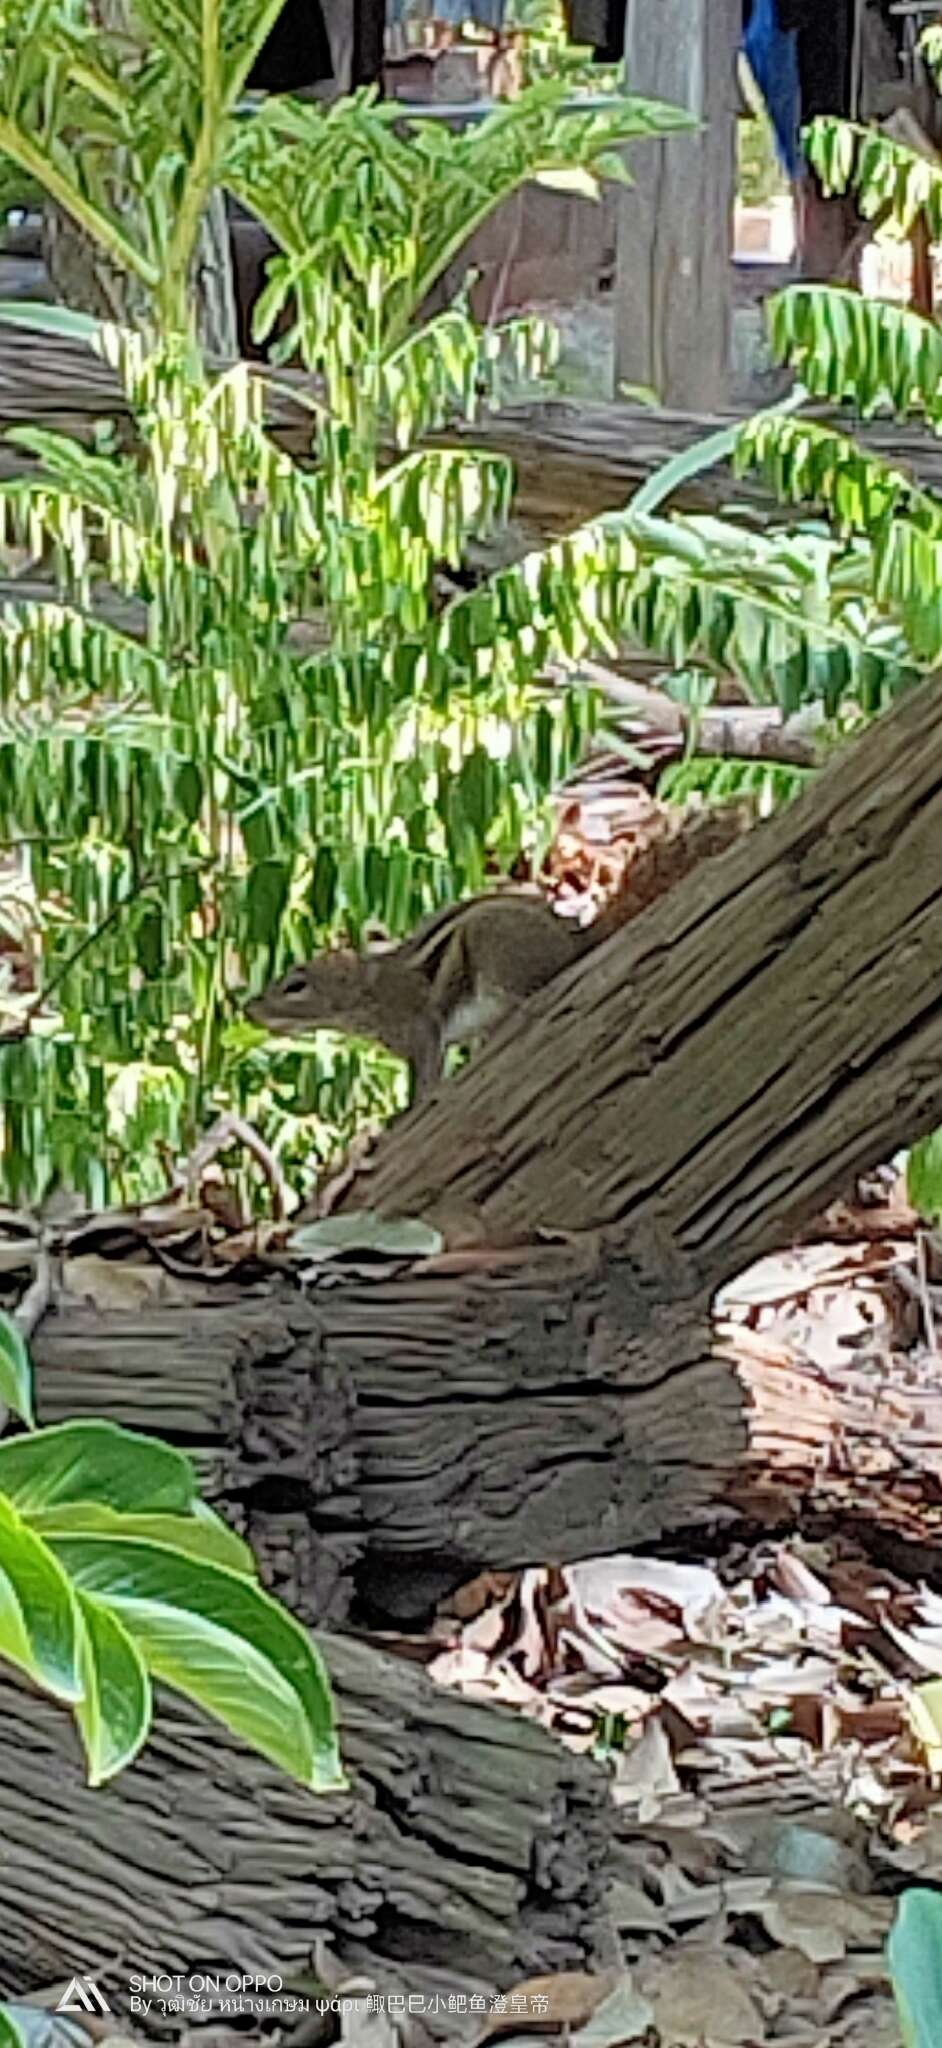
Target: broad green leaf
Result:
[[39, 1624], [201, 1534], [915, 1957], [114, 1714], [924, 1177], [96, 1461], [11, 2034], [61, 321], [16, 1372], [220, 1640]]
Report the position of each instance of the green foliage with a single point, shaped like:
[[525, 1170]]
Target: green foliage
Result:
[[113, 1572], [888, 178], [924, 1178], [915, 1957], [768, 785], [34, 2026], [16, 1375], [203, 799], [848, 348], [759, 175], [298, 723], [879, 358], [198, 793]]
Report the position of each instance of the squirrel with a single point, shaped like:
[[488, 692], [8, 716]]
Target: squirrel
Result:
[[466, 966], [447, 984]]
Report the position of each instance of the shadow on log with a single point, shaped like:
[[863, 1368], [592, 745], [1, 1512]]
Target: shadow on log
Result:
[[471, 1851]]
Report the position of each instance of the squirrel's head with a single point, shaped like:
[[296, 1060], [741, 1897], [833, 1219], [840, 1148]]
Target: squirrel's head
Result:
[[320, 993]]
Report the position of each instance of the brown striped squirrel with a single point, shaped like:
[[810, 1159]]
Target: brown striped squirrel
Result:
[[447, 984], [465, 966]]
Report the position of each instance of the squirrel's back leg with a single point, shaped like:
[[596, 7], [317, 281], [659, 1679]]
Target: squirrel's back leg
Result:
[[426, 1063]]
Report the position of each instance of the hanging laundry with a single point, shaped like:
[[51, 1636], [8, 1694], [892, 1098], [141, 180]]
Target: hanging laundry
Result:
[[772, 53]]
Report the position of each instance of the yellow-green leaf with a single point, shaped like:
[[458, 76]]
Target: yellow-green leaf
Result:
[[114, 1715], [219, 1639], [16, 1372], [39, 1622]]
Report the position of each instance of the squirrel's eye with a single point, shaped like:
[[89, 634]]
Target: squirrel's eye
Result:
[[294, 984]]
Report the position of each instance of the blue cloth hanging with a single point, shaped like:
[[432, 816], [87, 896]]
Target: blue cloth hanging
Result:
[[773, 60]]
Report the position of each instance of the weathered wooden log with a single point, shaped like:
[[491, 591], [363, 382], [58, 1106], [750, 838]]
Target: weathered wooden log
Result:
[[378, 1443], [431, 1871], [711, 1076], [381, 1442]]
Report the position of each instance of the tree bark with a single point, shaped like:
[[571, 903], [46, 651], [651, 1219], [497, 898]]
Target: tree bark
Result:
[[713, 1075], [667, 1111], [674, 270], [425, 1875], [381, 1442]]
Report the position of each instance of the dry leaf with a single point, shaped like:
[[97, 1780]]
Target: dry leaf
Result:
[[622, 2017], [544, 2004], [114, 1284], [700, 1999]]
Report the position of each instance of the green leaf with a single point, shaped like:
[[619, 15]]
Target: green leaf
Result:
[[96, 1461], [924, 1177], [114, 1715], [403, 1236], [220, 1640], [60, 321], [915, 1957], [266, 895], [201, 1534], [39, 1624], [16, 1372]]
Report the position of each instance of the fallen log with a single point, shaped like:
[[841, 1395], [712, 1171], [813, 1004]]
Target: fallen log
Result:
[[661, 1116], [714, 1074], [428, 1874], [382, 1441], [572, 461]]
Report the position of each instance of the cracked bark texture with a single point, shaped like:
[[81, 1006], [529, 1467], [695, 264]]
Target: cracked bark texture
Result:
[[426, 1875]]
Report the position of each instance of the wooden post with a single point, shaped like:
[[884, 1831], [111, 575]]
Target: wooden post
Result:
[[674, 281]]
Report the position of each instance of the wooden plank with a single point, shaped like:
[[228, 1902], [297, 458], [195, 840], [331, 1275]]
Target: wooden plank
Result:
[[674, 280]]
